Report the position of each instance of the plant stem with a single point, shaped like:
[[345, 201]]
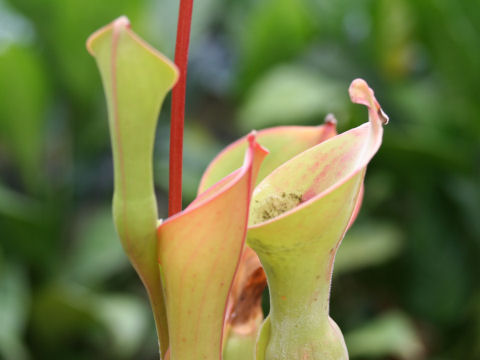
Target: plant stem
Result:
[[178, 108]]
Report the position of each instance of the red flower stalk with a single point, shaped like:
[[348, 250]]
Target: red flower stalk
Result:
[[178, 108]]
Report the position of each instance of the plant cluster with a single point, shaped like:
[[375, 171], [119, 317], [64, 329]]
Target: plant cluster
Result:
[[272, 207]]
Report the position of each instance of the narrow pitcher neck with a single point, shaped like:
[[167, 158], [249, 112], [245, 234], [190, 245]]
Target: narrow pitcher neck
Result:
[[307, 288]]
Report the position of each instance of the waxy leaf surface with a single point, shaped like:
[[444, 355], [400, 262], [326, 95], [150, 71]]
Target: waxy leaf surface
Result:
[[199, 251], [298, 217], [282, 142], [136, 79], [244, 313]]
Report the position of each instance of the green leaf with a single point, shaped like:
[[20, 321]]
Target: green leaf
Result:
[[290, 94], [290, 21], [391, 334], [73, 308], [14, 305], [119, 321], [368, 245], [97, 253], [18, 206], [23, 111], [136, 79], [126, 319]]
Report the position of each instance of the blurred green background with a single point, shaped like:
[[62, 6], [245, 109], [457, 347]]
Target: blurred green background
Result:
[[406, 283]]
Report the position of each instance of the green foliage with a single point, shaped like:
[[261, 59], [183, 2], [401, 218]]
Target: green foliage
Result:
[[368, 245], [270, 101], [391, 333], [96, 254], [23, 128], [291, 22], [14, 302]]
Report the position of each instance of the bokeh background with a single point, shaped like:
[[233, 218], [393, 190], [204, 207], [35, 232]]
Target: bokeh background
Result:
[[406, 283]]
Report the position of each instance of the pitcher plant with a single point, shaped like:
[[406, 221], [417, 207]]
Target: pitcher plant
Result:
[[272, 207]]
